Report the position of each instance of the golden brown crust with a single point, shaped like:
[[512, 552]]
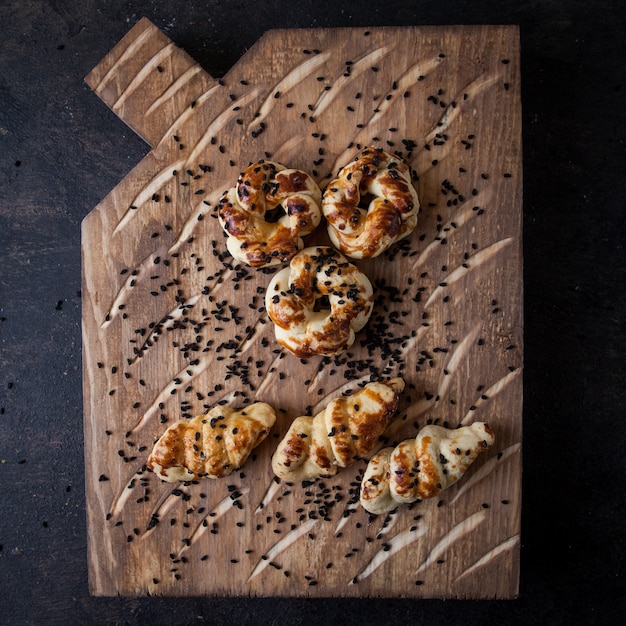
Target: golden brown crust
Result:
[[245, 213], [316, 275], [358, 421], [211, 445], [375, 496], [392, 212], [402, 476], [348, 428], [421, 468]]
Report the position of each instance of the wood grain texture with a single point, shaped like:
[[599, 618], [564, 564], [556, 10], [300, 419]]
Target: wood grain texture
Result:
[[171, 325]]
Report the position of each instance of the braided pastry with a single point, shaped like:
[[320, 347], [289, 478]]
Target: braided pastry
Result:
[[346, 430], [363, 233], [212, 445], [250, 213], [422, 467], [318, 277]]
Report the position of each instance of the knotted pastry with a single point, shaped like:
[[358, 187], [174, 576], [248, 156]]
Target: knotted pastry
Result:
[[267, 213], [422, 467], [382, 183], [346, 430], [211, 445], [318, 278]]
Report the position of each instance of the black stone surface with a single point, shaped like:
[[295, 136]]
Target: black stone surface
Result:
[[62, 151]]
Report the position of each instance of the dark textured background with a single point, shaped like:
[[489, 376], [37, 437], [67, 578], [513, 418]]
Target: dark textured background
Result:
[[62, 151]]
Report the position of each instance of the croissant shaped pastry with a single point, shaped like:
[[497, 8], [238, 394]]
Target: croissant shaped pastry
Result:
[[422, 467], [211, 445], [347, 429]]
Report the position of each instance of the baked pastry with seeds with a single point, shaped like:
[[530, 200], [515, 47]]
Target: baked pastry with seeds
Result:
[[319, 302], [268, 212], [371, 204], [349, 428], [212, 445], [422, 467]]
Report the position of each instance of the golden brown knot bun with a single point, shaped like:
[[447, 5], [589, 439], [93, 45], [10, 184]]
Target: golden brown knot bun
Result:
[[422, 467], [348, 428], [371, 204], [267, 213], [318, 276], [211, 445]]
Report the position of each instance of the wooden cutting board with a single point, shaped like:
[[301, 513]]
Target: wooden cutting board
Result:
[[172, 325]]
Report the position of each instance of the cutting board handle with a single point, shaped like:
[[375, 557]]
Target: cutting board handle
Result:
[[148, 81]]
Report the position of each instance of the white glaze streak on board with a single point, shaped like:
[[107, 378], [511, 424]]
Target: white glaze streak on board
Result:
[[486, 469], [152, 187], [133, 47], [456, 533], [218, 125], [282, 545], [501, 548], [291, 80], [176, 86], [212, 516], [326, 98], [395, 545], [142, 75]]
